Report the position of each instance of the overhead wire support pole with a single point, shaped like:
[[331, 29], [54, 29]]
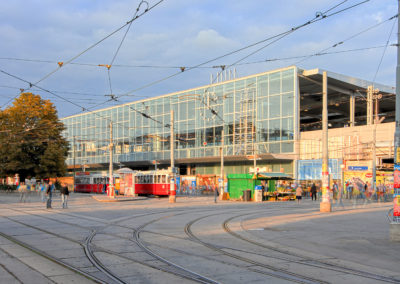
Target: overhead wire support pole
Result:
[[222, 187], [73, 153], [111, 170], [375, 97], [395, 225], [325, 205], [172, 191]]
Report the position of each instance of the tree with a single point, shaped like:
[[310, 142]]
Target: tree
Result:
[[31, 141]]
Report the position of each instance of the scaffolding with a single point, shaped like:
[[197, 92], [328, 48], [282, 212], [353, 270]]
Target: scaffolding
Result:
[[244, 132]]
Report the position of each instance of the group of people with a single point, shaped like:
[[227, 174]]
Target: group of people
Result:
[[356, 189], [299, 192], [46, 191]]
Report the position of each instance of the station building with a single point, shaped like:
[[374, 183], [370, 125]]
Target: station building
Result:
[[273, 117]]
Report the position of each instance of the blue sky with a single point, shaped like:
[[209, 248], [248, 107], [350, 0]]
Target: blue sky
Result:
[[180, 33]]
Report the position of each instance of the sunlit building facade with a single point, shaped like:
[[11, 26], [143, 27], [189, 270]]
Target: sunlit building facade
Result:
[[261, 116]]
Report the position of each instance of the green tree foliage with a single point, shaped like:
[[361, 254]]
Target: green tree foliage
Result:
[[31, 141]]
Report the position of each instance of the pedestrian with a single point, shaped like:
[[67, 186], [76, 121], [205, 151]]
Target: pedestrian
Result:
[[299, 193], [42, 189], [334, 190], [350, 190], [64, 195], [340, 196], [384, 192], [313, 192], [215, 193], [49, 192], [23, 191]]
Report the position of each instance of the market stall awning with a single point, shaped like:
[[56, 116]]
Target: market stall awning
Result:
[[274, 176]]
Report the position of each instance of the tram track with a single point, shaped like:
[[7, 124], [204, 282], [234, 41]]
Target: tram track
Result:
[[273, 270], [51, 258], [90, 254], [137, 227], [179, 269], [308, 261], [86, 246]]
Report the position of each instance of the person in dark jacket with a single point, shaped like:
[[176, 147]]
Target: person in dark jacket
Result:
[[49, 193], [64, 195], [313, 192]]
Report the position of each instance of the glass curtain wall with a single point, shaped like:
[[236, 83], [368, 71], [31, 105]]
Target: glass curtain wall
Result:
[[257, 114]]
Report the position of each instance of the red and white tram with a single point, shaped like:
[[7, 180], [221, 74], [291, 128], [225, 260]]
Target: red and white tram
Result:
[[146, 182], [92, 183]]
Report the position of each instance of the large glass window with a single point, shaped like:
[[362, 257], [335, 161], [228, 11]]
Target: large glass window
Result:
[[263, 103], [287, 104], [275, 129], [275, 83], [288, 81], [274, 106]]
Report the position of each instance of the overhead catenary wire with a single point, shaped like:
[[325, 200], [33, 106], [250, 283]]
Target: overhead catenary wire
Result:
[[243, 48], [383, 54], [120, 45], [89, 48], [200, 65], [213, 67], [348, 38], [58, 96], [277, 36], [318, 17]]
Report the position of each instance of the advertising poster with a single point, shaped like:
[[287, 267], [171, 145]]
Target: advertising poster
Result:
[[360, 178], [396, 178], [396, 206]]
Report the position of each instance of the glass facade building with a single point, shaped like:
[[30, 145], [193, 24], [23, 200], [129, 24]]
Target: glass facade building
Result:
[[257, 114]]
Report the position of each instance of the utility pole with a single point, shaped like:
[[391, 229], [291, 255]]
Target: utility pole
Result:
[[222, 188], [172, 191], [374, 97], [73, 158], [111, 179], [325, 205], [395, 225], [254, 156]]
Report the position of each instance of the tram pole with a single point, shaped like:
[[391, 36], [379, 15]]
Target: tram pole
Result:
[[395, 225], [110, 178], [172, 191], [73, 153], [222, 188], [325, 205]]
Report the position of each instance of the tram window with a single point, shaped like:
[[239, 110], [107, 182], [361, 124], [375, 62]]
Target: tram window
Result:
[[158, 178], [163, 179]]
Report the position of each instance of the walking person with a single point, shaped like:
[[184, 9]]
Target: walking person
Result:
[[64, 195], [313, 192], [299, 193], [340, 196], [42, 189], [23, 190], [49, 192]]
